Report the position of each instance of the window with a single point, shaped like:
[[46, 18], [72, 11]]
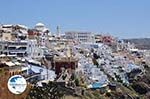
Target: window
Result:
[[6, 38]]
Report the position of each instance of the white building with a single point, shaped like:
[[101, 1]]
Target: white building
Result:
[[18, 48], [82, 37], [43, 33], [34, 51]]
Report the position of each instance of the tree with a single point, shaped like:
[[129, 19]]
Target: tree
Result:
[[48, 91], [77, 82], [95, 62]]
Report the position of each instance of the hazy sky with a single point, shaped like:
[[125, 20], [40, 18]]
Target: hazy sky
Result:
[[121, 18]]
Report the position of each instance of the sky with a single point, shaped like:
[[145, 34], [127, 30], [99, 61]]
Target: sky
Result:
[[120, 18]]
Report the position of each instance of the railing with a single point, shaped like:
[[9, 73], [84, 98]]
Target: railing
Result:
[[40, 77]]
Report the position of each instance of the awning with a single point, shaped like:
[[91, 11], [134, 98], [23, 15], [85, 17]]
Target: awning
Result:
[[12, 55], [33, 61], [2, 55], [9, 63], [17, 63], [134, 50]]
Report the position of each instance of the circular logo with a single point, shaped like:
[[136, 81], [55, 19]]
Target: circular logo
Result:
[[17, 84]]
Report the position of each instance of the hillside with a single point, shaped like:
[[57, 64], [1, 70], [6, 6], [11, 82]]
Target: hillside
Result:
[[141, 43]]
